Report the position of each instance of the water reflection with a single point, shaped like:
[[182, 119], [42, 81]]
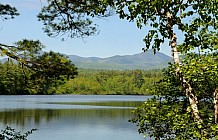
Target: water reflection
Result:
[[23, 117], [71, 117], [110, 104]]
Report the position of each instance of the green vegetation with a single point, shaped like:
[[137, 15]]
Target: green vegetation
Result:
[[185, 102], [17, 80], [127, 82], [144, 61], [51, 73], [11, 134], [39, 74], [169, 115]]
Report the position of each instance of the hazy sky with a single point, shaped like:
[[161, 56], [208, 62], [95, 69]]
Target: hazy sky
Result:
[[117, 37]]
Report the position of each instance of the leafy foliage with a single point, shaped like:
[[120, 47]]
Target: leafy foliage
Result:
[[168, 114], [7, 12], [27, 49], [72, 17], [13, 78], [36, 73], [183, 105], [11, 134], [202, 73], [196, 19], [54, 70]]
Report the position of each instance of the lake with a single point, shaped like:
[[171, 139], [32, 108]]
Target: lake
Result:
[[71, 117]]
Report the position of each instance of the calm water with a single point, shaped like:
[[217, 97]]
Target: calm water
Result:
[[71, 117]]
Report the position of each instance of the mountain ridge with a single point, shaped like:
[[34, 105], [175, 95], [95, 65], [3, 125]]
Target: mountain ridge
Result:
[[144, 60]]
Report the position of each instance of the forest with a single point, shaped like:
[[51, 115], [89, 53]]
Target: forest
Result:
[[126, 82], [17, 80]]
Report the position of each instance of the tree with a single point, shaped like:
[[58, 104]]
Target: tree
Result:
[[11, 134], [12, 78], [165, 16], [26, 53], [72, 17], [169, 116], [27, 49], [196, 22], [53, 70], [37, 72], [138, 80], [48, 69], [7, 12]]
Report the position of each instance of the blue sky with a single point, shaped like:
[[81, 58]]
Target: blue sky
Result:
[[117, 37]]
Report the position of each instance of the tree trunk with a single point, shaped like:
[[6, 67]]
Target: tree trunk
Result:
[[215, 97], [188, 89], [193, 101]]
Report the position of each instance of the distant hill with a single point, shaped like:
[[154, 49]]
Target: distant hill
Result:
[[145, 60]]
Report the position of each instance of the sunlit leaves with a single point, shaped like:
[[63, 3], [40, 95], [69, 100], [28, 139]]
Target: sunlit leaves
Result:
[[168, 114], [202, 73], [197, 21], [201, 14]]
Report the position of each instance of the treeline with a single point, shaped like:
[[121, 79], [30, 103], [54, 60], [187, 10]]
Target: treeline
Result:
[[128, 82], [16, 79], [29, 70]]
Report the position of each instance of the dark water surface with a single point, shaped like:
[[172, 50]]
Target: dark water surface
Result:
[[72, 117]]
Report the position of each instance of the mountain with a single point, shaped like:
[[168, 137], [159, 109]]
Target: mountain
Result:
[[145, 60]]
